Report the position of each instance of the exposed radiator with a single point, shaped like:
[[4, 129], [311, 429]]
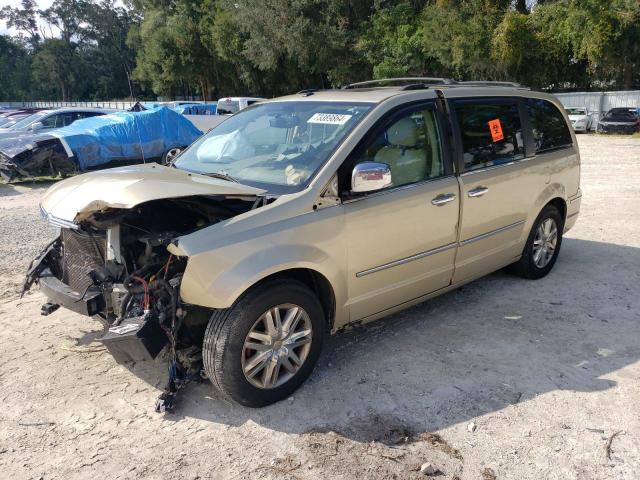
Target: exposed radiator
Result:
[[81, 253]]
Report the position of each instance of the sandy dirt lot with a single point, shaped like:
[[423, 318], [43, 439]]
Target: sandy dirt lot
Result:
[[548, 371]]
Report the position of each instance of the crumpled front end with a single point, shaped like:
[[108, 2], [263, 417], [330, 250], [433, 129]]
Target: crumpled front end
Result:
[[111, 260], [114, 264], [34, 156]]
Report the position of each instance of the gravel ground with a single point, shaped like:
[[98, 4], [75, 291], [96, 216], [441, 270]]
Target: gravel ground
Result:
[[547, 371]]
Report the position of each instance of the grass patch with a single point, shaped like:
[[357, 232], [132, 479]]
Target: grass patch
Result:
[[38, 179]]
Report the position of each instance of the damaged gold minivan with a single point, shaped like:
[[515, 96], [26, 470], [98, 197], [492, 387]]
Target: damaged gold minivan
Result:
[[304, 213]]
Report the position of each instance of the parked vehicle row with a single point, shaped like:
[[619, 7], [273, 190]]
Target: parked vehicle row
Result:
[[25, 151], [617, 120], [302, 214], [95, 141], [47, 120]]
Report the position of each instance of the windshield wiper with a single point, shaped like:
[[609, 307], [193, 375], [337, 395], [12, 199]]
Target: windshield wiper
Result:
[[223, 176]]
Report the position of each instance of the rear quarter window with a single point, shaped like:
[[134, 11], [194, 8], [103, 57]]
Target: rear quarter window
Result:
[[550, 131]]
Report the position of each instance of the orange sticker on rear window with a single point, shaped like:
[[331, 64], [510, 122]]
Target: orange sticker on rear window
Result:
[[496, 130]]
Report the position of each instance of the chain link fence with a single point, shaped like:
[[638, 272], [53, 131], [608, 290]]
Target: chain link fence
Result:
[[116, 105]]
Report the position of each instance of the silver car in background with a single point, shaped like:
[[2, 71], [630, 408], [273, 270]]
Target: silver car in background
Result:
[[47, 120]]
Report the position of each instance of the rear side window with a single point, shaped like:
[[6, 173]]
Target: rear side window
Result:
[[491, 133], [550, 131]]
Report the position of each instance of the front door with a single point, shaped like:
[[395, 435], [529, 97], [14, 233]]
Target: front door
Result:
[[402, 240]]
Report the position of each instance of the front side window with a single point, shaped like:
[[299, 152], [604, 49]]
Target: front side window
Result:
[[549, 127], [82, 115], [410, 145], [276, 146], [491, 133]]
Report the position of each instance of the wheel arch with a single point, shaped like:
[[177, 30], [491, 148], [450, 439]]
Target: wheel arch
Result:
[[553, 194], [560, 204], [314, 280]]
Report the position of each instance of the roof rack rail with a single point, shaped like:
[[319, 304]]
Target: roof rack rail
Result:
[[417, 82], [490, 83]]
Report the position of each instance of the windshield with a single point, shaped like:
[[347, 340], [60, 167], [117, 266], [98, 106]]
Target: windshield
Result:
[[27, 120], [576, 111], [621, 114], [275, 146]]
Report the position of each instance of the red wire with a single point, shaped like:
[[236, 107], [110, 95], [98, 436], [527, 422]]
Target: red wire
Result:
[[146, 291], [166, 268]]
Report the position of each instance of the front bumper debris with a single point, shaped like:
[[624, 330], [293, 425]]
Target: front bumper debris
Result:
[[89, 302]]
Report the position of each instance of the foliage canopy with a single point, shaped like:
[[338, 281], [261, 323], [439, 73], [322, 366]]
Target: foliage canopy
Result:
[[93, 49]]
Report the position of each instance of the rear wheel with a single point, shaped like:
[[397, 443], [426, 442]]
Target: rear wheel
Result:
[[264, 347], [543, 245]]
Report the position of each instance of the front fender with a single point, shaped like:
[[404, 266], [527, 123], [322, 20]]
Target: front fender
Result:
[[221, 266], [202, 286]]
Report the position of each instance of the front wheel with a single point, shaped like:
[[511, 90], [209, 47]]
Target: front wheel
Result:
[[543, 245], [170, 155], [265, 346]]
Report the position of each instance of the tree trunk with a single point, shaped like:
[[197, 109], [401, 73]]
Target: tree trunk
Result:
[[628, 77]]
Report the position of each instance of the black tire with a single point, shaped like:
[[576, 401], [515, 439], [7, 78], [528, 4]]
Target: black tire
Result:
[[526, 267], [224, 339]]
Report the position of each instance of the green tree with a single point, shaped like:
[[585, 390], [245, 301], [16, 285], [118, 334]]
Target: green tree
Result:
[[24, 19], [606, 33], [298, 43], [57, 71], [458, 34], [391, 41], [106, 50], [14, 69]]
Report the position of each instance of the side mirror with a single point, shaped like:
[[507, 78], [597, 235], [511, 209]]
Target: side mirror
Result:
[[35, 126], [370, 177]]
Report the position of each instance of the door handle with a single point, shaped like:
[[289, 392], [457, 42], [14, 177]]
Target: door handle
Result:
[[443, 198], [478, 191]]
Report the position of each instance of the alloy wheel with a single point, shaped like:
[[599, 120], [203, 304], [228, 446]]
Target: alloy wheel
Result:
[[171, 154], [277, 346], [545, 242]]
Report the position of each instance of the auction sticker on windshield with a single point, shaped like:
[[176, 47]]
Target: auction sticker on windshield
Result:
[[329, 118]]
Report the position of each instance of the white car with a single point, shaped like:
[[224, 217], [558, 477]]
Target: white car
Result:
[[231, 105], [580, 118]]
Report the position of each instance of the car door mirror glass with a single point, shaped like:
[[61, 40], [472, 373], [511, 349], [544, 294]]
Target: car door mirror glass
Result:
[[370, 177]]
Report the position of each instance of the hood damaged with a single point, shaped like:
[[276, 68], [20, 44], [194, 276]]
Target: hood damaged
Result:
[[76, 199]]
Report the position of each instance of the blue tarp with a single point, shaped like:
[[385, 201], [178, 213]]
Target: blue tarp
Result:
[[127, 136], [197, 109]]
